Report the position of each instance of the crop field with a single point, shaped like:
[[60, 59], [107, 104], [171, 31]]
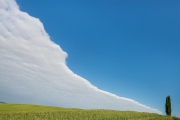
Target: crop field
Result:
[[37, 112]]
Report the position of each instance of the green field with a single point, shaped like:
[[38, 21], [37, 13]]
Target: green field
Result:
[[37, 112]]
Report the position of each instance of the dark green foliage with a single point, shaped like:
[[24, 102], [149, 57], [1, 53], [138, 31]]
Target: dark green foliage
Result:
[[2, 102], [168, 106]]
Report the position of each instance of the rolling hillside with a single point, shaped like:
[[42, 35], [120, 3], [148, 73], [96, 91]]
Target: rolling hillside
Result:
[[38, 112]]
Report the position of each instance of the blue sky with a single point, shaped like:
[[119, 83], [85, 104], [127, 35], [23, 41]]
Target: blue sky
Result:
[[129, 48]]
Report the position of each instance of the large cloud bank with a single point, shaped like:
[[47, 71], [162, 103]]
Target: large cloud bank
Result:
[[33, 68]]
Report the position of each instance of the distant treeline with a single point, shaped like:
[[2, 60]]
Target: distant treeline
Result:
[[2, 102]]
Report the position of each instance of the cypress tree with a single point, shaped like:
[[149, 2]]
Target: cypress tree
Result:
[[168, 105]]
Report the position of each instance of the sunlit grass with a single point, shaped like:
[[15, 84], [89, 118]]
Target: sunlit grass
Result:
[[36, 112]]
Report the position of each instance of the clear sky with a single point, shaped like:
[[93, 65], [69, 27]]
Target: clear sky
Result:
[[129, 48]]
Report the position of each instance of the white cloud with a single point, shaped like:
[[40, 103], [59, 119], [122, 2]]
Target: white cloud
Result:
[[33, 68]]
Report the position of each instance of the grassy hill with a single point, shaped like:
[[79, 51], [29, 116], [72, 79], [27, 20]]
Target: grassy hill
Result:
[[37, 112]]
